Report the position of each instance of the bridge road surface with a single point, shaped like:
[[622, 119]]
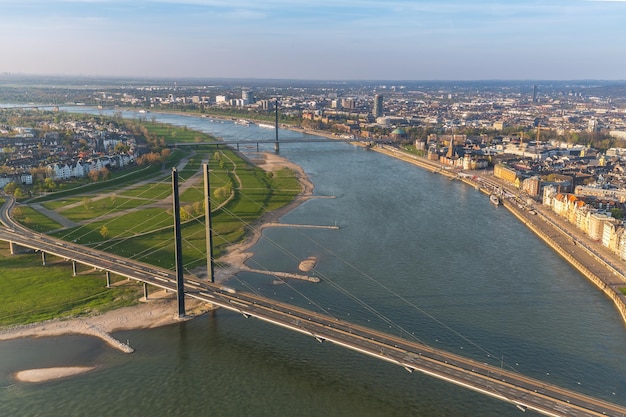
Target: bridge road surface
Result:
[[521, 391]]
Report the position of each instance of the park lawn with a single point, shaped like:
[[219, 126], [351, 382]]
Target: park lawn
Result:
[[59, 205], [177, 134], [285, 188], [191, 195], [94, 207], [194, 165], [154, 191], [118, 228], [34, 220], [32, 293]]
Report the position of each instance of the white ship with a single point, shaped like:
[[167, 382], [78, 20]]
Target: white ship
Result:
[[267, 125]]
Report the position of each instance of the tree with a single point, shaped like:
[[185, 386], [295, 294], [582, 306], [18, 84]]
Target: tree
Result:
[[50, 184], [121, 148], [10, 188], [104, 173], [94, 175]]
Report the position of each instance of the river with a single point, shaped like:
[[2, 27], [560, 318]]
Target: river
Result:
[[430, 255]]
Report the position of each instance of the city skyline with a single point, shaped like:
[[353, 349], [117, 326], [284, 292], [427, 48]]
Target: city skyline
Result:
[[281, 39]]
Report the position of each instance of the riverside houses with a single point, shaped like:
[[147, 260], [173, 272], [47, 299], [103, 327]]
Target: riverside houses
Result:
[[597, 223], [81, 168]]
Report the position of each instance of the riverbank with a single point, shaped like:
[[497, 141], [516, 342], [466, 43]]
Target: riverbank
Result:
[[565, 239], [236, 255]]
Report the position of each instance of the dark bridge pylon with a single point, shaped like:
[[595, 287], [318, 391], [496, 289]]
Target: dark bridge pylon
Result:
[[178, 247]]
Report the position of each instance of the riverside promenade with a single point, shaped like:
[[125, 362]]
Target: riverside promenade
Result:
[[600, 266]]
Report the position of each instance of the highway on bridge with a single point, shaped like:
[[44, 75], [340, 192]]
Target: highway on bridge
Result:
[[523, 392]]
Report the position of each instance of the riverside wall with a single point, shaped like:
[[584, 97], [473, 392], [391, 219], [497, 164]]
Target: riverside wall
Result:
[[611, 289]]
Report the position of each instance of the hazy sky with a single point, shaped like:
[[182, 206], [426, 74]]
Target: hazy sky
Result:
[[324, 39]]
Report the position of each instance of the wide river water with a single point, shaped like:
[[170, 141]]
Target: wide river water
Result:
[[430, 256]]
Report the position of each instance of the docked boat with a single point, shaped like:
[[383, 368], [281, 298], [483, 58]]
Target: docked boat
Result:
[[267, 125], [495, 200], [242, 122]]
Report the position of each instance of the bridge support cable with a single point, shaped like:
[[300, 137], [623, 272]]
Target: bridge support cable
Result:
[[208, 225], [178, 246]]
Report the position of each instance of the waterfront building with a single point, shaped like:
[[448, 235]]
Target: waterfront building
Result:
[[596, 225], [532, 186], [611, 234], [506, 173]]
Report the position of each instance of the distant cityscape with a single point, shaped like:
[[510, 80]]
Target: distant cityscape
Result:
[[562, 143]]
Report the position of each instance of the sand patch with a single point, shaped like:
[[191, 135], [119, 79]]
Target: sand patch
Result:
[[308, 264], [49, 374]]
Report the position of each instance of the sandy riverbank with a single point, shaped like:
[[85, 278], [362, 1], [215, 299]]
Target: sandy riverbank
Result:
[[238, 254]]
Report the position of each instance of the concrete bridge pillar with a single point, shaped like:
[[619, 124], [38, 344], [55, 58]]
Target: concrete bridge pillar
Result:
[[15, 248], [43, 258], [108, 275], [145, 290], [74, 270]]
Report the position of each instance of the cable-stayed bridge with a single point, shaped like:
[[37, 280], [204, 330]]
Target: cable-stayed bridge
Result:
[[512, 387]]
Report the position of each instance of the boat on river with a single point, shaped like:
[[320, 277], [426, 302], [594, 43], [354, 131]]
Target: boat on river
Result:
[[495, 200]]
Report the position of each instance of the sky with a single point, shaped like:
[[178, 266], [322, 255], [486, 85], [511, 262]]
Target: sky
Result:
[[321, 40]]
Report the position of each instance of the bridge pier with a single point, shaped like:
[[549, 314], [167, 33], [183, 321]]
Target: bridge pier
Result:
[[145, 290], [43, 258], [74, 269], [14, 248], [108, 275]]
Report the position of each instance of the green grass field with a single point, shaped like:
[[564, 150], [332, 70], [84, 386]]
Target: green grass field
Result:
[[35, 293], [35, 220]]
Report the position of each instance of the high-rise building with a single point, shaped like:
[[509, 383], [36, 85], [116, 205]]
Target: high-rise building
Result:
[[535, 93], [246, 96], [378, 105]]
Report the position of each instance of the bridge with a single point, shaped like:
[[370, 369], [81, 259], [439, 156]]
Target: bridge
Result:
[[512, 387], [249, 142]]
